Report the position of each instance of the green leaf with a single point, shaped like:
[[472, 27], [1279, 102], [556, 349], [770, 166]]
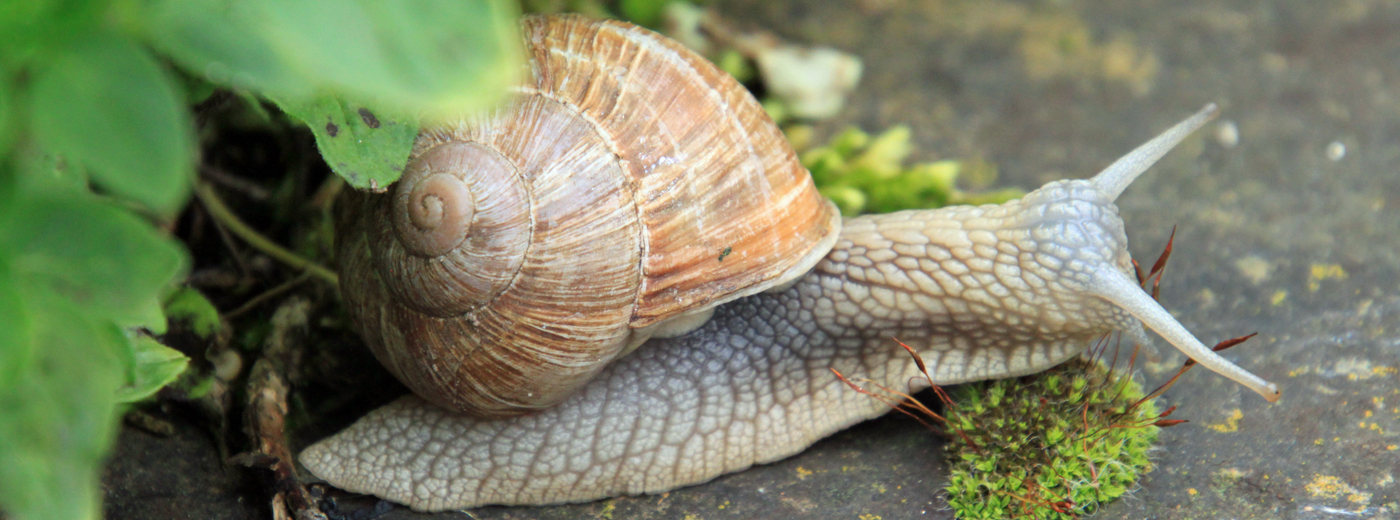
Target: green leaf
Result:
[[6, 110], [155, 366], [102, 258], [438, 57], [188, 304], [368, 149], [644, 12], [105, 103], [29, 27], [1111, 491], [850, 199], [48, 173], [73, 266], [342, 66], [148, 316], [16, 346], [442, 58], [59, 419], [221, 40]]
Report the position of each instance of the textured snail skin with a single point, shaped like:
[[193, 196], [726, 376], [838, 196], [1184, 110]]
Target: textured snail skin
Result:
[[980, 292]]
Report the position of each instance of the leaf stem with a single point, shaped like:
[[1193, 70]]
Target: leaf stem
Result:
[[225, 217]]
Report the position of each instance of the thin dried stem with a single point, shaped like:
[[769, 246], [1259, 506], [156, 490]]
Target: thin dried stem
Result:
[[228, 219]]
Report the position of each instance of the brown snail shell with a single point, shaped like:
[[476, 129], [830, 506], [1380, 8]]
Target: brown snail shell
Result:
[[628, 183]]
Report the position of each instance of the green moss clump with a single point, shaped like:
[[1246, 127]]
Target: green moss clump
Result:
[[1053, 445], [865, 174]]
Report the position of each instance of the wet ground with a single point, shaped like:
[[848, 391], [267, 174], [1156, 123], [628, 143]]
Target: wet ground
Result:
[[1288, 223]]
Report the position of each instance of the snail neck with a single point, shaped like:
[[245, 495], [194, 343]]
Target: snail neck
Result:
[[980, 292]]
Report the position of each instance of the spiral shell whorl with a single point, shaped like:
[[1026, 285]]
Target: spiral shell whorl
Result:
[[461, 225], [432, 212]]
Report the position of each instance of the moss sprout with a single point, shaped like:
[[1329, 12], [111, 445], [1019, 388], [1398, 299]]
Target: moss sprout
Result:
[[1057, 444], [867, 174]]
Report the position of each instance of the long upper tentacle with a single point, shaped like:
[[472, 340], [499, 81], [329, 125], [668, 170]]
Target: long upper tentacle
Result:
[[1117, 176]]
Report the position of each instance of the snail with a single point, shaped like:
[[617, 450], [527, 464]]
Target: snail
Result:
[[704, 291]]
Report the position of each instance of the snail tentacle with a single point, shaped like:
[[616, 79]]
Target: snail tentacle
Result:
[[1117, 176], [1115, 286]]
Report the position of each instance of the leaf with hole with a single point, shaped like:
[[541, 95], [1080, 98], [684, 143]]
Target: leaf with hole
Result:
[[365, 147]]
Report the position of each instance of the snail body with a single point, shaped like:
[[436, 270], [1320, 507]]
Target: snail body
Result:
[[980, 292]]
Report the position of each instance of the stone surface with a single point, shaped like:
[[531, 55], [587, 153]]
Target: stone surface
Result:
[[177, 476], [1290, 229]]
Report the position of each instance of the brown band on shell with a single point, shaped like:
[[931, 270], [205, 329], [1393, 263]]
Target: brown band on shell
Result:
[[711, 171]]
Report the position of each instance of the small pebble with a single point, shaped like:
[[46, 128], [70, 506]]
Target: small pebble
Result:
[[1227, 134], [1336, 151]]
